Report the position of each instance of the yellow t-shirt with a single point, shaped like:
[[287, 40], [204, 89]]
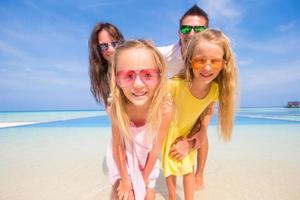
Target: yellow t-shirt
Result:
[[187, 110]]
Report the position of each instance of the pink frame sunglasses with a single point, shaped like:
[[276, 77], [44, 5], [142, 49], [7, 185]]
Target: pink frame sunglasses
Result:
[[125, 78]]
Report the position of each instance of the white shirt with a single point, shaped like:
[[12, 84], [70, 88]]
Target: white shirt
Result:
[[173, 58]]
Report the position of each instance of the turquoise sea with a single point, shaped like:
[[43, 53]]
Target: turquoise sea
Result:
[[60, 155], [98, 118]]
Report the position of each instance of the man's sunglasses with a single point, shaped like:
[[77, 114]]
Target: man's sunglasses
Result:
[[105, 45], [185, 29]]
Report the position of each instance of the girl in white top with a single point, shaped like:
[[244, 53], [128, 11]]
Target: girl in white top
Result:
[[140, 113]]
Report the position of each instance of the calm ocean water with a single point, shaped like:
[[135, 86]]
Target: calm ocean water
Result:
[[95, 118]]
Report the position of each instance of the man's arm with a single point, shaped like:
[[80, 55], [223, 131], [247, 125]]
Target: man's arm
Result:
[[182, 146], [195, 137]]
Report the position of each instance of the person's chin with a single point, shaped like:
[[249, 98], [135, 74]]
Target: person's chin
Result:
[[108, 58], [139, 102]]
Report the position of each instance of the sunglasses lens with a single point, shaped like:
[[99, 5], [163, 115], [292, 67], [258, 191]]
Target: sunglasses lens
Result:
[[199, 28], [198, 63], [185, 29], [114, 44], [215, 64], [125, 78], [149, 76], [103, 46]]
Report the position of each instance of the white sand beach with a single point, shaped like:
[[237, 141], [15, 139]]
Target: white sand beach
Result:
[[262, 162]]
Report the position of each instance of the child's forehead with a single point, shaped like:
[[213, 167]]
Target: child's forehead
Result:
[[205, 43], [135, 59], [204, 47], [135, 67], [132, 51]]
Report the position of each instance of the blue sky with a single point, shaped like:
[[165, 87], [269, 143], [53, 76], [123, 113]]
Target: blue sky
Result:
[[44, 54]]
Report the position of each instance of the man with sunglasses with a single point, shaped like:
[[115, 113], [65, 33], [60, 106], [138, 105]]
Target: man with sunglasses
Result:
[[193, 21]]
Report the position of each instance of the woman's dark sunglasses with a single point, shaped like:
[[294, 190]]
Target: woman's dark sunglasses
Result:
[[104, 46], [185, 29]]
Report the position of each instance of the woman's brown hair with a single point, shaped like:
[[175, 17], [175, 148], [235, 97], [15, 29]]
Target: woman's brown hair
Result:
[[99, 68]]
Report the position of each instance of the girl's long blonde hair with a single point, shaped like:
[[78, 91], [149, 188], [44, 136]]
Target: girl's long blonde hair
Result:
[[118, 112], [226, 80]]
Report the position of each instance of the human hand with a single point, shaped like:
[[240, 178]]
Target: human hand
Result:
[[180, 148], [194, 141], [198, 139], [124, 188]]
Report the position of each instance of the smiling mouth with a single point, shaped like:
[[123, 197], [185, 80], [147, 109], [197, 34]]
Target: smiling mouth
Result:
[[206, 75], [140, 94]]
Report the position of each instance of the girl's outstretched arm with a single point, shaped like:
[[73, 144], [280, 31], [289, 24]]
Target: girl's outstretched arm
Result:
[[119, 156], [167, 111]]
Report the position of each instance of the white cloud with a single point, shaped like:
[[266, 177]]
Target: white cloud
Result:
[[96, 4], [8, 32], [222, 10], [48, 33], [287, 27], [274, 76], [13, 51], [77, 68], [245, 62], [33, 5], [288, 43], [43, 77], [266, 86]]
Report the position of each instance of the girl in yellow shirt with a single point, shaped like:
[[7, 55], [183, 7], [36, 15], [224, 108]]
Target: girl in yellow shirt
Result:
[[209, 75]]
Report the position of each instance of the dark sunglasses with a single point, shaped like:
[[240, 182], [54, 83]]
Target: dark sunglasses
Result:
[[185, 29], [104, 46]]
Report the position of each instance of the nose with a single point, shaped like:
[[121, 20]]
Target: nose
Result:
[[192, 33], [138, 82], [110, 48], [208, 65]]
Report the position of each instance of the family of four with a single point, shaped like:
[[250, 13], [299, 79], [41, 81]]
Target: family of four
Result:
[[152, 115]]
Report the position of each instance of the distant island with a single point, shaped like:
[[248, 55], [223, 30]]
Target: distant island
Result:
[[293, 104]]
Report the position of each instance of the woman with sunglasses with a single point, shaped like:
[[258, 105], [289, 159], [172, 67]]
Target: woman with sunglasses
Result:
[[103, 40], [209, 76], [140, 112]]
